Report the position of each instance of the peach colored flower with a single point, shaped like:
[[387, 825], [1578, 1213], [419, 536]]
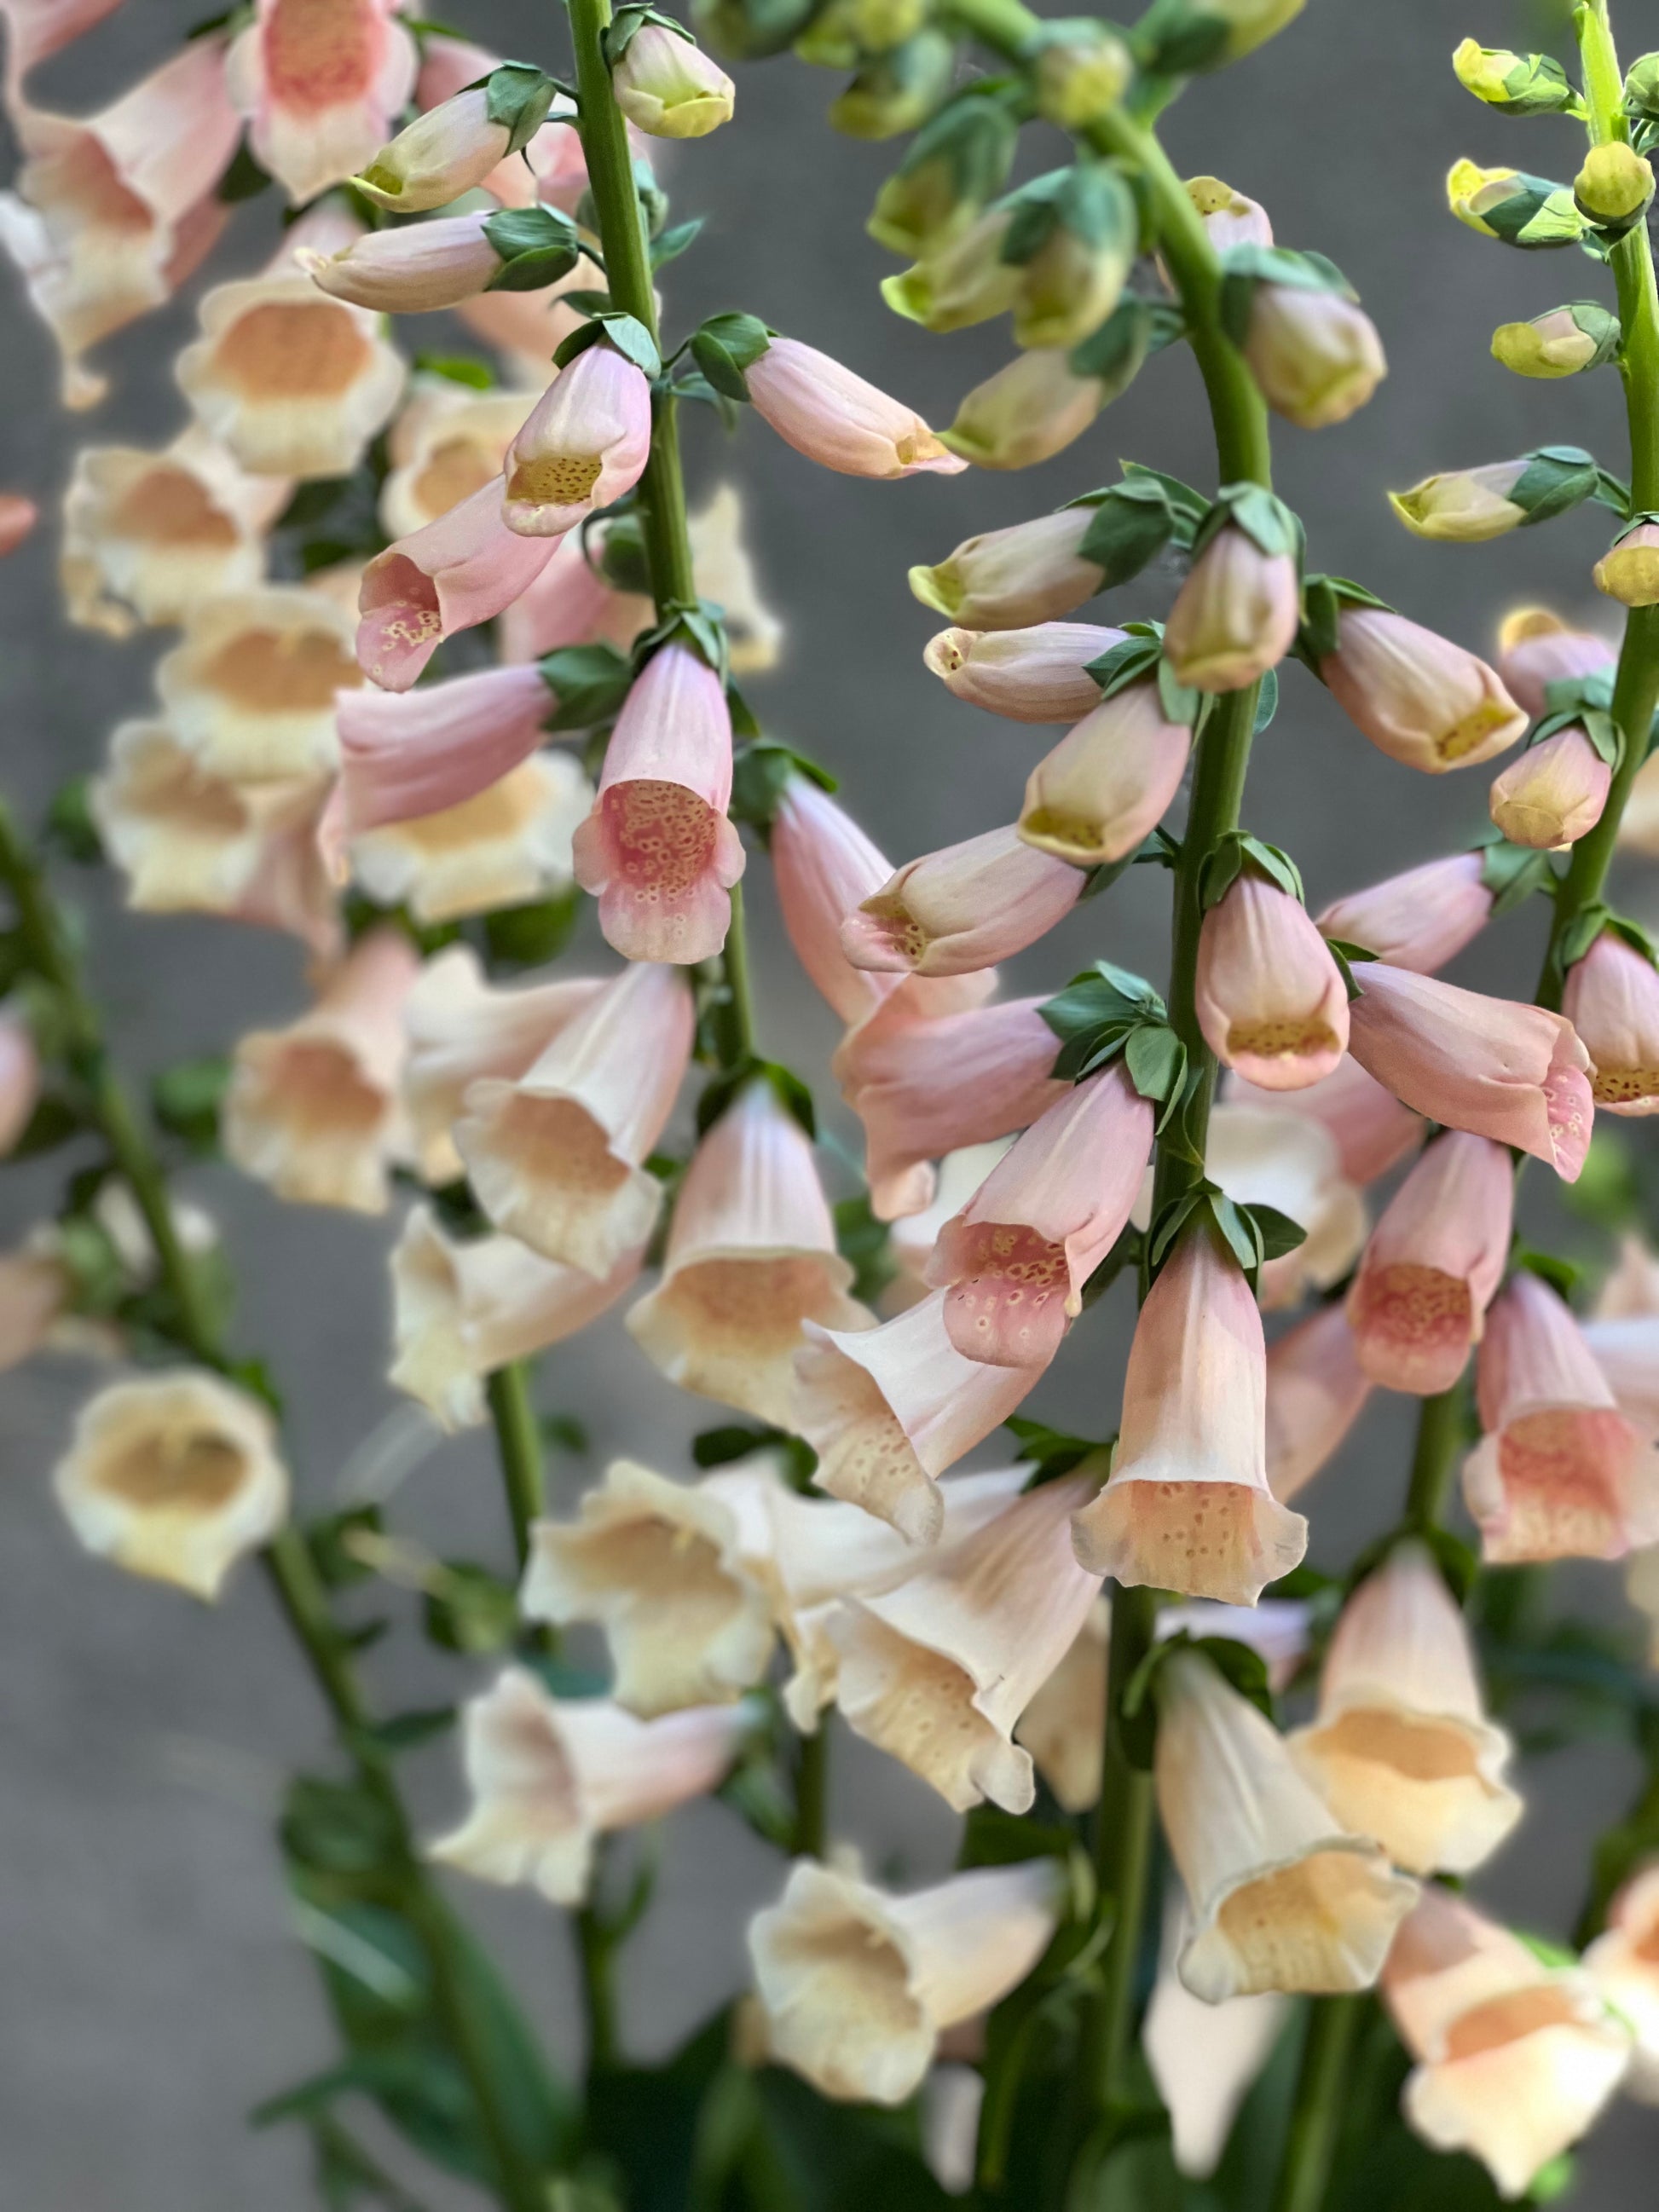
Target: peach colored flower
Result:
[[1316, 1390], [1420, 919], [1034, 675], [1271, 1001], [319, 81], [449, 575], [1433, 1265], [1553, 794], [1417, 697], [956, 911], [838, 419], [1109, 782], [1611, 999]]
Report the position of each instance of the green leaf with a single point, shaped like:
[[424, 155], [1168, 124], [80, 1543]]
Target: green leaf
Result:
[[631, 339], [761, 770], [991, 1837], [1512, 873], [725, 346], [537, 246], [589, 684], [866, 1244], [1279, 1234], [1267, 702], [187, 1100], [53, 1122], [69, 827], [328, 1539], [1051, 1452], [408, 1731], [669, 245], [530, 936], [456, 368]]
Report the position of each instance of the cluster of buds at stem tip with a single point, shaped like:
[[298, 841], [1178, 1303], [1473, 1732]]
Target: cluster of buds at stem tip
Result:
[[453, 147]]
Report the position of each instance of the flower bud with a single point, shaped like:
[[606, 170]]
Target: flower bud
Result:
[[454, 147], [956, 912], [1553, 795], [1515, 84], [1235, 616], [1536, 648], [668, 88], [1315, 355], [1070, 286], [1420, 919], [1008, 579], [585, 444], [1504, 204], [1178, 36], [1611, 999], [1035, 675], [412, 270], [1026, 413], [823, 410], [955, 165], [1615, 184], [966, 281], [1083, 69], [1271, 1000], [1560, 343], [1464, 507], [897, 90], [1109, 782], [1629, 573], [1417, 696], [1230, 219]]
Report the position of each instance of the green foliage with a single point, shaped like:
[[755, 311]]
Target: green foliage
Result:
[[866, 1244], [187, 1099], [529, 936]]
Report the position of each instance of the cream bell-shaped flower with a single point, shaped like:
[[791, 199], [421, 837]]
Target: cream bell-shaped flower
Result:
[[1611, 999], [1064, 1726], [833, 416], [250, 687], [507, 846], [887, 1410], [319, 81], [857, 1985], [413, 269], [1271, 1001], [1554, 793], [1432, 1265], [938, 1670], [1464, 507], [1623, 1962], [1109, 782], [668, 88], [1282, 1896], [1536, 648], [458, 143], [1204, 2057], [147, 536], [1188, 1507], [174, 1476], [460, 1027], [1373, 1131], [1420, 919], [1631, 1292], [292, 383], [312, 1109], [1627, 1353], [1235, 616], [459, 1310], [1559, 1471], [954, 912], [924, 1088], [1401, 1748], [658, 850], [1009, 579], [450, 574], [751, 1257], [448, 442], [1514, 2059], [1014, 1262], [1420, 699], [1316, 1389], [556, 1154], [582, 446], [549, 1776], [657, 1565], [1034, 675], [1261, 1156], [190, 842], [725, 571], [1517, 1073], [112, 212]]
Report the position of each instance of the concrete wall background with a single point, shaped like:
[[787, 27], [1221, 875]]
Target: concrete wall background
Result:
[[151, 1992]]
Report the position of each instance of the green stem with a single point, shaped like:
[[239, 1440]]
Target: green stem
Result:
[[519, 1448], [597, 1955], [1123, 1855], [1439, 1438], [1316, 2115], [812, 1792]]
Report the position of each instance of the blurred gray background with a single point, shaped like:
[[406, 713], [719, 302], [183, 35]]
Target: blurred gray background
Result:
[[150, 1989]]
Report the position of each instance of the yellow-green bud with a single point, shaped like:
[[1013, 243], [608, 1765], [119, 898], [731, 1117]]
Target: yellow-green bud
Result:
[[1464, 507], [1559, 344], [1081, 73], [1027, 412], [880, 25], [1228, 217], [1069, 286], [1629, 573], [967, 283], [1484, 70], [897, 91], [1507, 203], [1615, 184], [1516, 84]]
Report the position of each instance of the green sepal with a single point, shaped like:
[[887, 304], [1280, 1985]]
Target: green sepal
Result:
[[700, 627], [725, 346], [1236, 851], [1562, 1276], [761, 770], [1051, 1453], [723, 1091], [69, 827], [1242, 1667], [537, 244], [1175, 38], [517, 96], [589, 683], [1114, 354], [626, 24], [1641, 103], [1134, 521], [971, 140], [1536, 213], [1556, 479], [1323, 599], [1090, 200], [1094, 1015], [1140, 655], [1458, 1565], [1536, 85], [625, 332], [1244, 267], [669, 245], [1271, 527], [1596, 723], [898, 90], [187, 1099]]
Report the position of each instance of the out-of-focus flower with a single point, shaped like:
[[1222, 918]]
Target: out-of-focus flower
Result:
[[250, 687], [1419, 698], [725, 573], [838, 419], [954, 912], [658, 850], [888, 1409], [1638, 825], [1204, 2058], [20, 1080], [312, 1109], [1109, 782], [505, 847], [1373, 1131], [111, 214], [18, 517], [1282, 1896], [1433, 1265], [1315, 355], [1014, 1262], [35, 1290], [1064, 1726], [1632, 1290], [1554, 792], [37, 29], [149, 536], [656, 1564], [1514, 1073], [461, 1310], [1235, 616], [1188, 1507], [751, 1256], [1035, 675], [1611, 999], [1027, 412], [459, 143], [174, 1476], [460, 570], [448, 442], [1560, 1472], [925, 1088], [1009, 579], [1262, 1156], [857, 1985], [1230, 218], [1624, 1964], [1514, 2059], [1536, 648], [1420, 919], [1271, 1000], [192, 841], [1316, 1390], [319, 81], [1401, 1748], [582, 446], [555, 1155], [549, 1776], [667, 87], [911, 1239]]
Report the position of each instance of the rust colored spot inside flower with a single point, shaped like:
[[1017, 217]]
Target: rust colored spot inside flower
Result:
[[293, 350], [554, 480], [170, 507], [1623, 1086], [1504, 2019], [319, 53], [201, 1469], [1291, 1037], [663, 836], [1009, 1300], [751, 1301], [1194, 1536], [1409, 1313], [1421, 1751], [265, 672], [451, 473]]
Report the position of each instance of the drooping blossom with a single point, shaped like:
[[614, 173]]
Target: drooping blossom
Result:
[[1315, 357], [249, 688], [581, 447], [410, 753], [459, 571], [1420, 699], [1629, 573], [1109, 782], [507, 846], [319, 81], [447, 442], [1553, 794], [1316, 1389], [570, 603], [1271, 1001], [1235, 617], [1009, 579], [459, 142], [413, 269], [1204, 2058], [1623, 1962], [1027, 412], [1432, 1265], [1611, 999], [954, 912], [1536, 648], [1064, 1725], [1420, 919], [1034, 675], [668, 88], [838, 419]]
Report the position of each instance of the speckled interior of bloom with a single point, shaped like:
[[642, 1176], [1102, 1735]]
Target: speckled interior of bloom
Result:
[[1007, 1305], [293, 350], [662, 838], [286, 671], [1414, 1325]]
